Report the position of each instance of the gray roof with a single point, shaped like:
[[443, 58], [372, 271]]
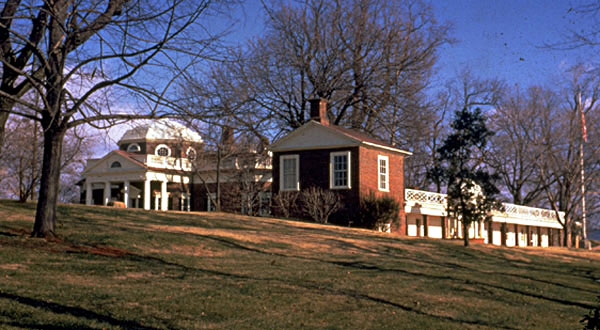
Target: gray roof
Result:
[[161, 129]]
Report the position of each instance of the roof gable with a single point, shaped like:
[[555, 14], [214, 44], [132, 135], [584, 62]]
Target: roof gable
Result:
[[103, 165], [314, 135]]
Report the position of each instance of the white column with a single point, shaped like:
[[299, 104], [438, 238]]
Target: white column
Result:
[[107, 194], [88, 192], [164, 197], [147, 194], [126, 193]]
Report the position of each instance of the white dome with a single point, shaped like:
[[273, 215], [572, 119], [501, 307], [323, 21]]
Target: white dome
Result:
[[162, 129]]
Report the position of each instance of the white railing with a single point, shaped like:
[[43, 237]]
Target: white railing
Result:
[[428, 197], [510, 210], [520, 211], [163, 162]]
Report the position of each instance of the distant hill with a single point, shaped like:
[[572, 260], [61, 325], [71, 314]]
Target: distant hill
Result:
[[594, 235]]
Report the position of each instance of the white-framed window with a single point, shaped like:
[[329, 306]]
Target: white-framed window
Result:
[[163, 150], [383, 177], [191, 153], [134, 147], [339, 170], [289, 177]]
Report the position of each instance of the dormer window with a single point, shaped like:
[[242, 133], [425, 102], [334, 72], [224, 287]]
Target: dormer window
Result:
[[134, 147], [163, 150], [115, 165]]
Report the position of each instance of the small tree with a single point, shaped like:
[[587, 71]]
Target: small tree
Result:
[[470, 188], [319, 203]]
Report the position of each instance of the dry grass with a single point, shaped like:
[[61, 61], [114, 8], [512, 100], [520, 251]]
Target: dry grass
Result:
[[132, 269]]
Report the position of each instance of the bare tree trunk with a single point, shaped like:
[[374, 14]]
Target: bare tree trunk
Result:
[[45, 217], [218, 179], [465, 234], [567, 237], [6, 105]]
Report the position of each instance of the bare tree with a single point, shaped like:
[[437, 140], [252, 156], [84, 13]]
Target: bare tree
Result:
[[218, 105], [587, 32], [515, 121], [77, 56], [465, 92], [21, 161], [556, 143], [371, 58]]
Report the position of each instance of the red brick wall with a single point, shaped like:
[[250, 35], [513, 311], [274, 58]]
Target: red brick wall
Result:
[[314, 171], [369, 172], [314, 168]]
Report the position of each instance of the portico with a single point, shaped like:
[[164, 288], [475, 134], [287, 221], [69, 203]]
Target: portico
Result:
[[151, 169], [149, 190]]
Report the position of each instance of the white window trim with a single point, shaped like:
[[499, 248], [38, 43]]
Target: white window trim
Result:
[[193, 151], [331, 174], [134, 147], [297, 174], [158, 147], [387, 174]]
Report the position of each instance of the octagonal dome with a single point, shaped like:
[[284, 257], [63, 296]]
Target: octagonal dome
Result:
[[162, 129]]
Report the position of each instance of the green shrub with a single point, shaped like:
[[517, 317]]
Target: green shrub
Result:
[[378, 212]]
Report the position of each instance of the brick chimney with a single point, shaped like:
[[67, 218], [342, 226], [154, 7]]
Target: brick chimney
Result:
[[227, 139], [318, 111]]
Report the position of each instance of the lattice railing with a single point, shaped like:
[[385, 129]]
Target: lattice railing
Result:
[[513, 210], [428, 197], [530, 212]]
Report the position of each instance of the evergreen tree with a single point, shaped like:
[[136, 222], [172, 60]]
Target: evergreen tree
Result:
[[471, 188]]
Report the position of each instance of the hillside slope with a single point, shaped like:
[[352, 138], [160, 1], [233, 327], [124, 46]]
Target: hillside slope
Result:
[[134, 269]]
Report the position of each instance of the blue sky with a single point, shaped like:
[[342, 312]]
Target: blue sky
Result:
[[505, 39], [496, 38]]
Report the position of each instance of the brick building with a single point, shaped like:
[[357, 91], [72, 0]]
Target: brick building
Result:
[[348, 162]]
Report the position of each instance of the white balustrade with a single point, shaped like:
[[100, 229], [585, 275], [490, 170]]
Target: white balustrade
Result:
[[510, 210]]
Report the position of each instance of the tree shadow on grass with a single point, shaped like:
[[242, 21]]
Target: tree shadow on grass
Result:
[[371, 265], [73, 311], [437, 277], [25, 325]]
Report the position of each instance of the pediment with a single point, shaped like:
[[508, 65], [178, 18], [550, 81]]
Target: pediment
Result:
[[110, 162], [313, 136]]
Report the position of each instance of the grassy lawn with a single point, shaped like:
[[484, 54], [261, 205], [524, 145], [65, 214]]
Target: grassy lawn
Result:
[[133, 269]]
